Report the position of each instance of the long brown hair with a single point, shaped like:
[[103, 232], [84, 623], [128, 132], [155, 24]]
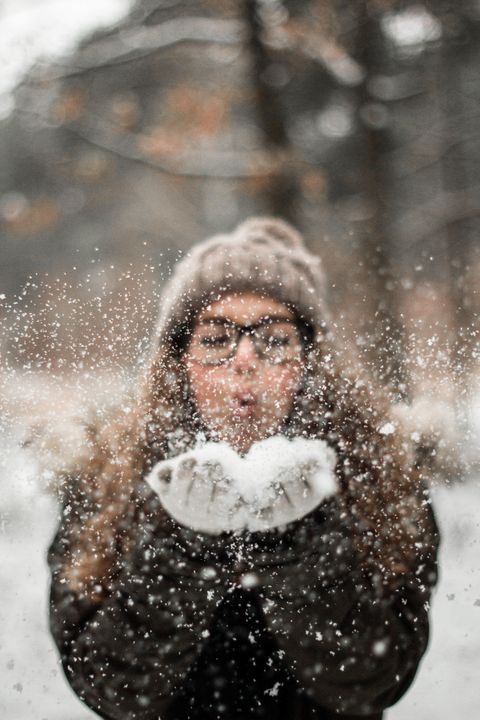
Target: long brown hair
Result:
[[379, 486]]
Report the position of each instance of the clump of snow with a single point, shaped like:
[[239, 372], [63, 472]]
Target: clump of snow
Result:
[[387, 429], [249, 581], [273, 691], [433, 429], [380, 647], [214, 489]]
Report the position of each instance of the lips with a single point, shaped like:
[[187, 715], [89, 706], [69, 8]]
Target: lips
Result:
[[244, 403], [245, 398]]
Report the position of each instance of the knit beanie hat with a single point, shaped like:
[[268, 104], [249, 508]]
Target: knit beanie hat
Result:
[[263, 255]]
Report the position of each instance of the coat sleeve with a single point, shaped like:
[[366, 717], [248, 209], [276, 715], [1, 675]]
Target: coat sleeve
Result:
[[353, 647], [126, 655]]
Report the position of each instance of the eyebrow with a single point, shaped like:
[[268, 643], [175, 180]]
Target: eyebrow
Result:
[[222, 318]]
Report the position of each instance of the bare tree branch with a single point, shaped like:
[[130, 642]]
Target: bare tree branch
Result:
[[139, 42], [334, 58], [133, 44], [433, 217], [427, 156], [195, 164], [316, 38], [203, 163]]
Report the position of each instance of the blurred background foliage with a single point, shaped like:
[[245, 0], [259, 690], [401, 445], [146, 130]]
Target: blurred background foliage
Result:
[[357, 120]]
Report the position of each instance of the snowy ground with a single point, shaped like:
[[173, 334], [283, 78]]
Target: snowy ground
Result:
[[32, 682], [446, 686]]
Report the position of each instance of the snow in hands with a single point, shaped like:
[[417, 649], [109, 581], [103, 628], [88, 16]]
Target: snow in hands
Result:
[[213, 489]]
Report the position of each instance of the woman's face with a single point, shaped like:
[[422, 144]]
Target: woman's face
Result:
[[248, 395]]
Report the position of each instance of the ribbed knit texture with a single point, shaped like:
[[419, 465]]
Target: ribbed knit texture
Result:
[[262, 255]]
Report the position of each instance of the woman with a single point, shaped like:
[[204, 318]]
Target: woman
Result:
[[250, 542]]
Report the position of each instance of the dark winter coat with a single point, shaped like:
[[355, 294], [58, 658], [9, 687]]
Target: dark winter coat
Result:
[[261, 625]]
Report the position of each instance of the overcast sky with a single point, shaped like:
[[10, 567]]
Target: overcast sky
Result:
[[34, 29]]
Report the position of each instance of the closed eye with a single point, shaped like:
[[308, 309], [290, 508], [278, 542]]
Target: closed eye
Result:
[[278, 341], [214, 341]]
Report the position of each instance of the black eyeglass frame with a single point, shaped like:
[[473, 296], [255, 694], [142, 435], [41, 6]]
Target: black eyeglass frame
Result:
[[249, 331]]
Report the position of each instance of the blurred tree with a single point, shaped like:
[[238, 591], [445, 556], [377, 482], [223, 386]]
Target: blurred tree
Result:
[[186, 118], [283, 188]]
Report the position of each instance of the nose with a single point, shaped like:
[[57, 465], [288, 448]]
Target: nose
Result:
[[245, 358]]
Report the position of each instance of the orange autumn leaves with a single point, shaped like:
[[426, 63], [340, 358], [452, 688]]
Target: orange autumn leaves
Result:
[[190, 116]]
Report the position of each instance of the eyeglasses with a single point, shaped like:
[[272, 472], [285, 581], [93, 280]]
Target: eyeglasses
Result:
[[275, 340]]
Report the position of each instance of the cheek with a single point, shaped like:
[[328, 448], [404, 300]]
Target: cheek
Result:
[[207, 386], [281, 382]]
